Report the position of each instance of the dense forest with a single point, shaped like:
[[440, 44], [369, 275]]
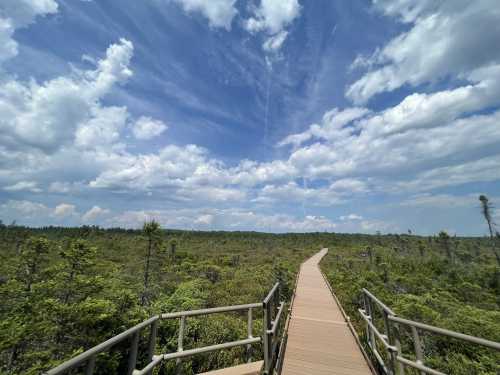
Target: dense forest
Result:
[[64, 290]]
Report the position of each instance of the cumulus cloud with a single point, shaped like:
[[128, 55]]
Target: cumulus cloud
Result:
[[484, 169], [330, 128], [181, 173], [8, 47], [15, 14], [332, 194], [351, 217], [374, 226], [273, 15], [220, 13], [146, 128], [31, 186], [428, 140], [424, 132], [94, 213], [103, 128], [204, 220], [235, 219], [23, 209], [64, 187], [291, 192], [442, 201], [46, 116], [64, 209], [446, 38], [23, 12]]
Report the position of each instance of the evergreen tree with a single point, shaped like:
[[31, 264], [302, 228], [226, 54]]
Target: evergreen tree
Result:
[[152, 231], [486, 209]]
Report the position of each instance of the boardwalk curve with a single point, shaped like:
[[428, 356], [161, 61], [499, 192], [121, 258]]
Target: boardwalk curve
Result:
[[319, 339]]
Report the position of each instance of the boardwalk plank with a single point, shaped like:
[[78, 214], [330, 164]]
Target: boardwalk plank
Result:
[[319, 339], [245, 369]]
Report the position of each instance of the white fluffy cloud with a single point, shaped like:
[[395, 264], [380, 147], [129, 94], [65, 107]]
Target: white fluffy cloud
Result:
[[332, 126], [429, 140], [273, 15], [204, 220], [146, 128], [46, 116], [235, 219], [15, 14], [447, 39], [8, 47], [442, 201], [425, 135], [484, 170], [351, 217], [23, 12], [103, 128], [64, 210], [23, 209], [220, 13], [94, 213], [325, 196], [31, 186]]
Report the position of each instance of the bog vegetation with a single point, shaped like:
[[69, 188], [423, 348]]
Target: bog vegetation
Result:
[[64, 290]]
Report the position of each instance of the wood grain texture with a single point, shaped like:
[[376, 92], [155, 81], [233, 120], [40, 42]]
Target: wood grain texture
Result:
[[246, 369], [319, 340]]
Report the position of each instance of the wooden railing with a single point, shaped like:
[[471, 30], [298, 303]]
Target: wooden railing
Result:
[[390, 338], [272, 318]]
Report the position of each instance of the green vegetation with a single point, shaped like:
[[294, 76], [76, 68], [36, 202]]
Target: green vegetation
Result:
[[64, 290], [445, 281]]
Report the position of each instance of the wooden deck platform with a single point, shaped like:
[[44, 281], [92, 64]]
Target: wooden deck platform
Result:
[[246, 369], [319, 339]]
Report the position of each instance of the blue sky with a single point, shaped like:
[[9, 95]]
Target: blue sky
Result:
[[269, 115]]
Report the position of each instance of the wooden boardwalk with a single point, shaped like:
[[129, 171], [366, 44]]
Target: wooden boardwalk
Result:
[[319, 339], [245, 369]]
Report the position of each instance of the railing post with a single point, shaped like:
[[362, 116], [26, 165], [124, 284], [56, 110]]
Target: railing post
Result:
[[180, 343], [399, 366], [390, 339], [418, 347], [267, 344], [367, 312], [152, 342], [372, 316], [132, 358], [277, 296], [89, 369], [250, 334]]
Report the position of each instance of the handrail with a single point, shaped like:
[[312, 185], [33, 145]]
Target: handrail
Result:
[[210, 348], [446, 332], [271, 319], [378, 302], [269, 337], [213, 310], [83, 357], [380, 336], [419, 366], [276, 321], [271, 293], [391, 340]]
